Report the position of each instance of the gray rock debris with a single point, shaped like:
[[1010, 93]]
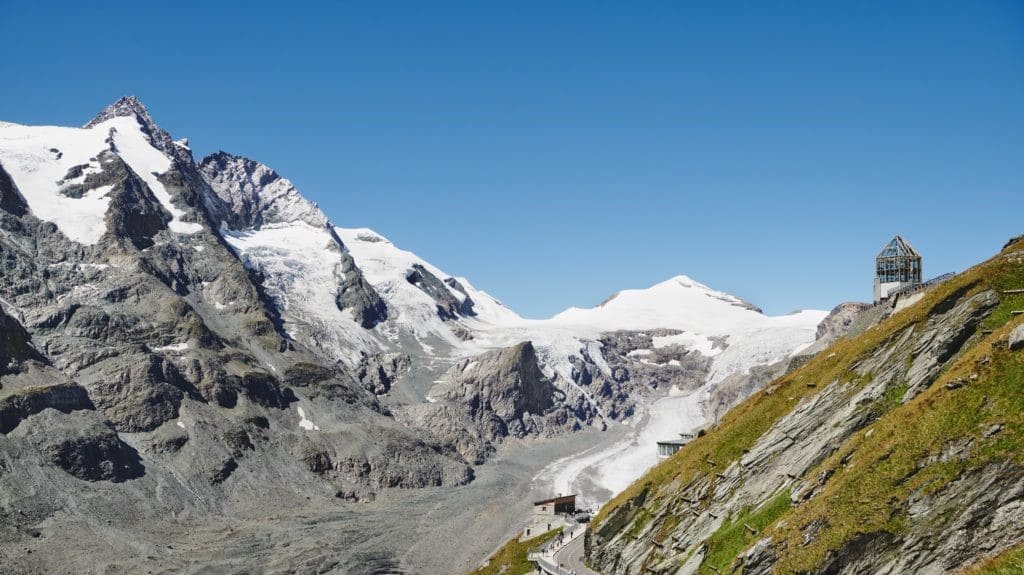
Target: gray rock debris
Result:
[[1016, 340], [448, 306]]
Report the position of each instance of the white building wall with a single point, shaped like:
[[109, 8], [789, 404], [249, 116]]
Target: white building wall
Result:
[[882, 290]]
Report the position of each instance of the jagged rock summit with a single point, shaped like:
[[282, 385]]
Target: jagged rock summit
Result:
[[257, 195], [132, 107]]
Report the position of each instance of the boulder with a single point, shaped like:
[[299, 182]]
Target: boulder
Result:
[[1016, 341]]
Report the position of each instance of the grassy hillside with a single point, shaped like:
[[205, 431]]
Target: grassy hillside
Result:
[[873, 474], [1009, 563], [511, 558]]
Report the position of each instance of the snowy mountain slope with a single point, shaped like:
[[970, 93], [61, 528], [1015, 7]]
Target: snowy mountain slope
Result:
[[51, 166], [431, 313], [704, 315], [304, 265], [680, 303], [387, 268], [301, 266], [309, 269]]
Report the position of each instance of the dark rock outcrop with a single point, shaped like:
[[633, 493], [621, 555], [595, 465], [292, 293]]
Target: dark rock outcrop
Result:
[[357, 295], [15, 344], [82, 445], [18, 404], [10, 199], [448, 306], [378, 372]]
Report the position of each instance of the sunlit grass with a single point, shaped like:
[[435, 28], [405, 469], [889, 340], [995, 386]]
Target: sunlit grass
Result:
[[511, 559]]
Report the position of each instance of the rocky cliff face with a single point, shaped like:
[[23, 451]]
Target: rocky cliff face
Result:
[[896, 451], [261, 200], [144, 367], [493, 396]]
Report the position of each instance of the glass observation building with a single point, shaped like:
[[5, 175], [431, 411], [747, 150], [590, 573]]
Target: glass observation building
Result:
[[897, 266]]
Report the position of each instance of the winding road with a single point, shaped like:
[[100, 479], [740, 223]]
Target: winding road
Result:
[[567, 559], [571, 556]]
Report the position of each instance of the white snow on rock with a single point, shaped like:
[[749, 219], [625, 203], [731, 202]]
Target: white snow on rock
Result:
[[38, 157], [385, 267], [306, 423], [301, 265], [694, 341], [682, 303], [175, 347]]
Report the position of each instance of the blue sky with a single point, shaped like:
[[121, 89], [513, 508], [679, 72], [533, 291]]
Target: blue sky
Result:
[[555, 152]]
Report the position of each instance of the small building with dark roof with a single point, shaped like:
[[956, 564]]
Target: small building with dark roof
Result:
[[561, 505], [668, 447]]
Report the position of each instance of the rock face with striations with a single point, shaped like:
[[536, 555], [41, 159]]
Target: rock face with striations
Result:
[[496, 395], [15, 344], [504, 391]]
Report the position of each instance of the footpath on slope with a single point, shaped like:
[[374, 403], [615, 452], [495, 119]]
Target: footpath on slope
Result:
[[564, 556]]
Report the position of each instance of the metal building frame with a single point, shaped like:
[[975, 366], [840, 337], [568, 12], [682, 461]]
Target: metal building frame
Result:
[[898, 262]]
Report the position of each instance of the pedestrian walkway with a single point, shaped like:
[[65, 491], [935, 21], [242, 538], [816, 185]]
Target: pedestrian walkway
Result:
[[563, 555]]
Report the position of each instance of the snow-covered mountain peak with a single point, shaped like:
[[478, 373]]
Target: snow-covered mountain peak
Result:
[[59, 171], [132, 107], [679, 302], [257, 195]]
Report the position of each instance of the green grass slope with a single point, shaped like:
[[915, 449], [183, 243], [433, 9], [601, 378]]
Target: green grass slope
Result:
[[511, 558], [1009, 563]]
